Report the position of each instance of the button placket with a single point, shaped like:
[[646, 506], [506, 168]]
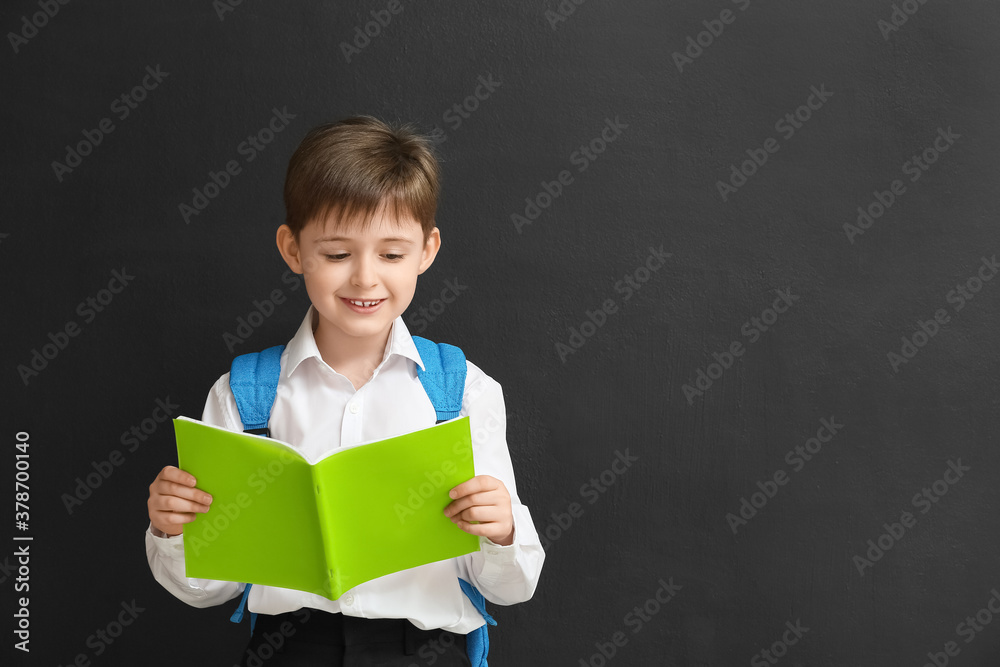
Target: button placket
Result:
[[351, 432]]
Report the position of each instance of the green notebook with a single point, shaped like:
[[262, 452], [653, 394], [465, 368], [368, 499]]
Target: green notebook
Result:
[[322, 526]]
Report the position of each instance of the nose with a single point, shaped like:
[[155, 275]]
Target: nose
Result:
[[365, 275]]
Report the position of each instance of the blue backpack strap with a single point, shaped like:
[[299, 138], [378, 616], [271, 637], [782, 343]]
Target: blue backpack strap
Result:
[[253, 379], [443, 378], [477, 642], [237, 616]]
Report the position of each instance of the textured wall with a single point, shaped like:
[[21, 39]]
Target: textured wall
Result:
[[745, 249]]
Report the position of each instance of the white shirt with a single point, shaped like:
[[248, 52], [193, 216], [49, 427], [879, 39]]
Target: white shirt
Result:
[[317, 410]]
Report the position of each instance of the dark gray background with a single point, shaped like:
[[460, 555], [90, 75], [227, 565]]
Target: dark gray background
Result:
[[655, 185]]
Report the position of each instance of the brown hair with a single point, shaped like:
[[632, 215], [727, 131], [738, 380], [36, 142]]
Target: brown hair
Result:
[[354, 166]]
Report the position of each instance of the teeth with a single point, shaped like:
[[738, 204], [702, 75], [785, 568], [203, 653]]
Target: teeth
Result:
[[363, 304]]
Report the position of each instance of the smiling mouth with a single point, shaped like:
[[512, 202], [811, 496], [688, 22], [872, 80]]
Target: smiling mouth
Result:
[[364, 304]]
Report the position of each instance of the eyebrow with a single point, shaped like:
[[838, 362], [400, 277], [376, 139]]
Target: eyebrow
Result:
[[388, 239]]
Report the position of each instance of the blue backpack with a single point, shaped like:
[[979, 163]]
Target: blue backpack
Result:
[[254, 381]]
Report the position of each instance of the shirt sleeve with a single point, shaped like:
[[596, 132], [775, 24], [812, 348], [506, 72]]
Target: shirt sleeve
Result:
[[166, 554], [505, 575]]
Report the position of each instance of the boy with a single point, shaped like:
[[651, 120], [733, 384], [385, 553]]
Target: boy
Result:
[[360, 198]]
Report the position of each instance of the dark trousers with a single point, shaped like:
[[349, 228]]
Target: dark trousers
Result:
[[313, 638]]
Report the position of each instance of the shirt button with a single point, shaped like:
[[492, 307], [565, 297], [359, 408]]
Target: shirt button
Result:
[[354, 408], [348, 600]]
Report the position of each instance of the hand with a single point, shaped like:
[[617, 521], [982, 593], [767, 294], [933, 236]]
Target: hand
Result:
[[174, 501], [484, 500]]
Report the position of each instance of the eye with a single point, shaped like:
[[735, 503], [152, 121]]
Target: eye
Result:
[[394, 258], [336, 258]]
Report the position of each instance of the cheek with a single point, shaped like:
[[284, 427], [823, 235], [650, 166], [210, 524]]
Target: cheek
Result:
[[312, 264], [321, 278], [404, 285]]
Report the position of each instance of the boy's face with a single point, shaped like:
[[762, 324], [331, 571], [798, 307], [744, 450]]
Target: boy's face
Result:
[[342, 265]]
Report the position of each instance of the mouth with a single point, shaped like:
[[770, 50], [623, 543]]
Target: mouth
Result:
[[363, 305]]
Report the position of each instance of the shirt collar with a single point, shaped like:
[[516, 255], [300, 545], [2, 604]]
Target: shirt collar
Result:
[[303, 343]]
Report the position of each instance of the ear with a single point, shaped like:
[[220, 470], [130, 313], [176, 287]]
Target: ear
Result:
[[430, 250], [289, 249]]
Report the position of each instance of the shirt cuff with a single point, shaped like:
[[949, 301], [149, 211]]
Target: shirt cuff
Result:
[[168, 547], [496, 553], [497, 558]]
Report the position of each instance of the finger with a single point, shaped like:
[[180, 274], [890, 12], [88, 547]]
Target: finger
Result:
[[175, 474], [479, 514], [485, 498], [477, 484], [480, 529], [169, 502], [187, 492], [491, 496], [177, 504], [497, 531], [173, 521]]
